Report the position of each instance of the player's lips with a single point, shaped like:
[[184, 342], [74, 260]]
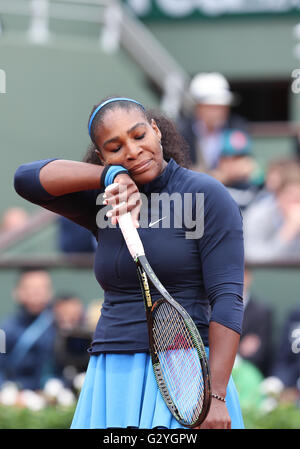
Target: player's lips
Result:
[[140, 168]]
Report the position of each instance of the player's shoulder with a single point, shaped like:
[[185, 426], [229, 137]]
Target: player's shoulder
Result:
[[191, 180], [218, 200]]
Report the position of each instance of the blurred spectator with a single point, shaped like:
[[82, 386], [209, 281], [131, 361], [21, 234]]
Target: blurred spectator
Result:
[[272, 225], [237, 168], [72, 338], [275, 171], [287, 364], [286, 367], [93, 313], [29, 332], [73, 238], [68, 311], [13, 218], [211, 115], [256, 339]]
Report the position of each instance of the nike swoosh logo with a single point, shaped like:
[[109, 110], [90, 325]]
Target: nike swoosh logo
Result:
[[154, 222]]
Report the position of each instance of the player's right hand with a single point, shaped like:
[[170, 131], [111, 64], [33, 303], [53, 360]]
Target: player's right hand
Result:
[[124, 196]]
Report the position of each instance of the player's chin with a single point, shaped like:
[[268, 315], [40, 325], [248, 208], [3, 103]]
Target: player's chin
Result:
[[145, 177]]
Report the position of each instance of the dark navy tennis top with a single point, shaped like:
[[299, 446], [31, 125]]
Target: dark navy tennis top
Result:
[[202, 268]]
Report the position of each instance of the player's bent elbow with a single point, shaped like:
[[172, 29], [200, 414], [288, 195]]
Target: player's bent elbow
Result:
[[20, 181]]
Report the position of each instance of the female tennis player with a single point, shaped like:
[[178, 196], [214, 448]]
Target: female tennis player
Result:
[[143, 153]]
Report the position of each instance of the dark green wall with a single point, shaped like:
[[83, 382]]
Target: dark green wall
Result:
[[50, 93], [244, 47]]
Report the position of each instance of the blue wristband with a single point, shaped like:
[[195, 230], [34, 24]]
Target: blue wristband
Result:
[[112, 172]]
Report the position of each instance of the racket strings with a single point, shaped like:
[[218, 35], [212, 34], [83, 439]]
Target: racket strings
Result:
[[179, 362], [179, 370]]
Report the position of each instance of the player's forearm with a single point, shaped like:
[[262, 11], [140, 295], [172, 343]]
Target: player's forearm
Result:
[[60, 177], [223, 346]]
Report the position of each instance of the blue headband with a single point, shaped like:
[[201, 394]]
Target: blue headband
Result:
[[111, 100]]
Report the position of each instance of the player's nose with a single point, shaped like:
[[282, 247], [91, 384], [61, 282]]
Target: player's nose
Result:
[[133, 150]]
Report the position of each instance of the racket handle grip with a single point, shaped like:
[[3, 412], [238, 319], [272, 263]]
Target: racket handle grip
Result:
[[131, 236]]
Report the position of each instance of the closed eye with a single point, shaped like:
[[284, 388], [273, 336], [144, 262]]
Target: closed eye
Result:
[[139, 137], [115, 150]]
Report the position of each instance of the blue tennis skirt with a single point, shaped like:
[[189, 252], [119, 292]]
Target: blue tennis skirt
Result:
[[120, 391]]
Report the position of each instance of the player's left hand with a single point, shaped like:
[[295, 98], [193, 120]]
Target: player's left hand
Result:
[[218, 416]]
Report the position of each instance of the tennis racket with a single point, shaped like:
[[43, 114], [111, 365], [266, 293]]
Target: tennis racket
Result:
[[177, 352]]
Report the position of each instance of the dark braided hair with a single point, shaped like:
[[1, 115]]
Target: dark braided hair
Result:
[[174, 146]]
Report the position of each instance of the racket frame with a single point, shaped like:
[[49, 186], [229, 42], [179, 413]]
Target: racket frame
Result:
[[146, 273]]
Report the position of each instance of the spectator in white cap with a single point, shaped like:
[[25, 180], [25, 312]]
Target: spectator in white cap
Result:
[[211, 88], [211, 115]]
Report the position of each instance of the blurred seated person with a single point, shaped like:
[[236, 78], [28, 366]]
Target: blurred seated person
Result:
[[256, 338], [73, 238], [237, 169], [68, 311], [211, 115], [272, 227], [72, 339], [286, 366], [13, 218], [29, 331], [93, 313], [274, 174]]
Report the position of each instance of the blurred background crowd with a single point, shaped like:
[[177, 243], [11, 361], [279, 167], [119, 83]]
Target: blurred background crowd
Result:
[[225, 78]]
